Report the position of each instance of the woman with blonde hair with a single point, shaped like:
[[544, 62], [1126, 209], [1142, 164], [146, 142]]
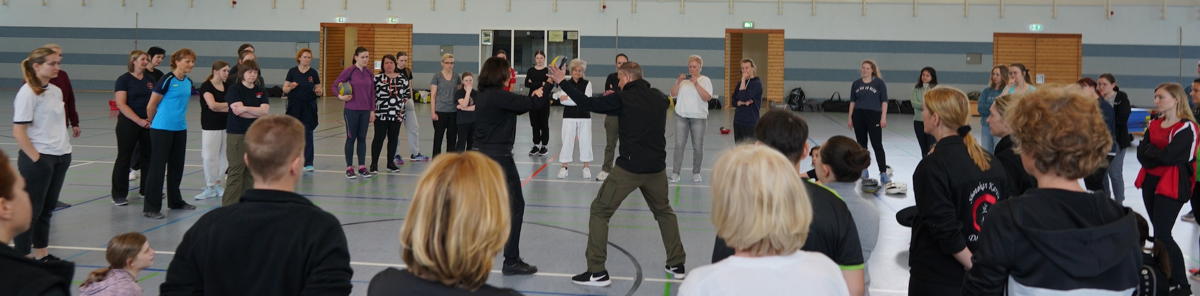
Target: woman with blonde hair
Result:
[[44, 146], [1028, 238], [692, 91], [127, 255], [868, 118], [955, 186], [131, 94], [761, 210], [457, 221], [1006, 152], [1167, 176]]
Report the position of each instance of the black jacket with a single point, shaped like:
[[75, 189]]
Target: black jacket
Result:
[[1059, 240], [576, 111], [496, 113], [272, 243], [953, 198], [391, 281], [1018, 178], [1123, 108], [20, 276], [642, 129]]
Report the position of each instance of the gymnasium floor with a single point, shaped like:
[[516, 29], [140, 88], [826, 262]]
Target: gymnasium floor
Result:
[[556, 215]]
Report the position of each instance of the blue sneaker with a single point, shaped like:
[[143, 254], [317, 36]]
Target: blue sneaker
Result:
[[885, 177], [309, 168], [418, 157]]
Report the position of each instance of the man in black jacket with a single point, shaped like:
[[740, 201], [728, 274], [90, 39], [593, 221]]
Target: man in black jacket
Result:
[[274, 242], [641, 165]]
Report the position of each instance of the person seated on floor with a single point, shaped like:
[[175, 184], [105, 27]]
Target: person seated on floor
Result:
[[273, 242], [127, 255], [832, 231], [21, 275], [1058, 238], [456, 223], [761, 209]]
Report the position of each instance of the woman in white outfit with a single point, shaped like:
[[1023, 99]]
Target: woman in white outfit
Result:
[[213, 113], [691, 92], [577, 122]]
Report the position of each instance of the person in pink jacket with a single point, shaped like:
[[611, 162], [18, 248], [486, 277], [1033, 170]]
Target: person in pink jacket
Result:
[[127, 255]]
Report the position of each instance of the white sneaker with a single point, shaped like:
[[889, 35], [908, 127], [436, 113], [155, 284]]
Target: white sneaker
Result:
[[220, 190], [562, 173], [894, 188], [674, 178], [134, 174], [601, 176], [697, 178], [587, 173], [209, 192]]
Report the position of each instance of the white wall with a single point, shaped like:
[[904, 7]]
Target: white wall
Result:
[[1137, 25]]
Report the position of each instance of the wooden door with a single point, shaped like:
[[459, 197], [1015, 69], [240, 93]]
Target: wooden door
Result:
[[774, 68], [771, 69], [733, 58], [333, 58], [339, 39], [1059, 57]]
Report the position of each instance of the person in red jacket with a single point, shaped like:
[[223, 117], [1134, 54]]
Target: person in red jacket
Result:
[[1167, 176]]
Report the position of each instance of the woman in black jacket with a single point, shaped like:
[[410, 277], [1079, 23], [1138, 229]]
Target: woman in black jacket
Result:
[[1058, 237], [1018, 178], [1167, 175], [1122, 107], [496, 113], [955, 186], [539, 117]]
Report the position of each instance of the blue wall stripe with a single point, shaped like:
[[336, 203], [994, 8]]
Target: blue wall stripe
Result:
[[693, 43], [435, 66], [1141, 51], [894, 77], [162, 34], [879, 46], [446, 39]]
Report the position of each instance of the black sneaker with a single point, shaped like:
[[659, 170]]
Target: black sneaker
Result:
[[594, 279], [49, 258], [185, 207], [543, 151], [393, 169], [518, 268], [533, 151], [154, 215], [61, 205], [350, 173], [365, 173], [120, 201], [676, 271]]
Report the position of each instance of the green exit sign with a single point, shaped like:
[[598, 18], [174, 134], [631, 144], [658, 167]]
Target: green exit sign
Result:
[[340, 19], [1036, 27], [748, 25]]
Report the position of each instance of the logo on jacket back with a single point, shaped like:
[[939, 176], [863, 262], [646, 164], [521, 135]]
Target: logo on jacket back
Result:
[[983, 197]]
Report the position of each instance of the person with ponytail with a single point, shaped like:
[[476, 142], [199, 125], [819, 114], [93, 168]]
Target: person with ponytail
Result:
[[1122, 108], [868, 118], [167, 112], [20, 274], [131, 93], [1018, 80], [303, 86], [955, 186], [1167, 176], [40, 130], [389, 113], [1058, 239], [359, 112], [996, 85], [839, 165], [925, 82], [411, 123], [1097, 181], [127, 255], [63, 82], [1006, 152], [213, 113]]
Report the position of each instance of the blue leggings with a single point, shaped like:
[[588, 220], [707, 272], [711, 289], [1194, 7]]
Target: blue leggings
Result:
[[357, 122]]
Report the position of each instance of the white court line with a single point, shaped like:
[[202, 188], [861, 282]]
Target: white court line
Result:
[[82, 164], [377, 264]]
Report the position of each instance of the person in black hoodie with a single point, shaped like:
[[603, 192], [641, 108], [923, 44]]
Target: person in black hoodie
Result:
[[1018, 178], [20, 275], [273, 242], [956, 185], [1058, 237], [1122, 108], [496, 113], [1167, 177], [539, 117], [641, 165]]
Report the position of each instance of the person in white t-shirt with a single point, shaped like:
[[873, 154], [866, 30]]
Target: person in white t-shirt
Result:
[[40, 129], [692, 91], [761, 210]]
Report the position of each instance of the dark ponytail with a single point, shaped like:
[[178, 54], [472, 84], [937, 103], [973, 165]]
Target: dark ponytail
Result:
[[845, 158]]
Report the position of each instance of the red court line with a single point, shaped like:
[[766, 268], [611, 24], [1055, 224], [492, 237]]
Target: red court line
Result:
[[538, 171]]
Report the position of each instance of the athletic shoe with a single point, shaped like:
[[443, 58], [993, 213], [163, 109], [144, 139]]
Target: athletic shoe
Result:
[[896, 188], [309, 168], [61, 205], [518, 267], [676, 271], [562, 173], [587, 173], [870, 186], [220, 190], [154, 215], [209, 192], [350, 173], [120, 202], [134, 174], [601, 176], [392, 169], [533, 151], [886, 175], [1189, 217], [696, 178], [543, 151], [185, 206], [674, 178], [49, 258], [365, 173], [397, 160], [374, 170], [594, 279], [418, 157]]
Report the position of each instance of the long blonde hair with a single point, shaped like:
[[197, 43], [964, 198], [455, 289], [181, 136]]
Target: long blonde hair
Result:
[[37, 56], [121, 249], [457, 221], [1182, 109], [950, 105], [759, 202], [874, 68]]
